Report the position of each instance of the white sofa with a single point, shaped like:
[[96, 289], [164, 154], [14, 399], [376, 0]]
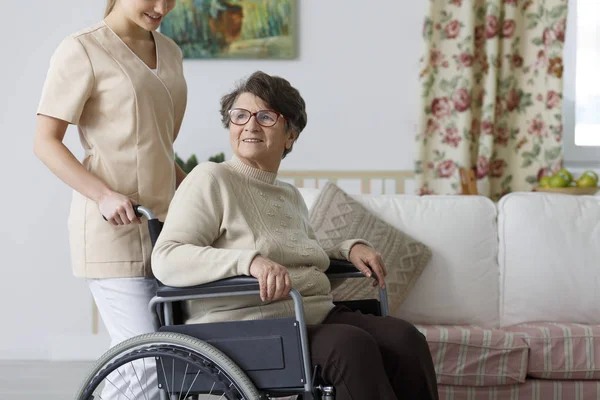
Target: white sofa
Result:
[[510, 301]]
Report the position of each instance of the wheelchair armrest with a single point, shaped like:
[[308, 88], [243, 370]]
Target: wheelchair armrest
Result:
[[338, 269], [229, 285], [342, 269]]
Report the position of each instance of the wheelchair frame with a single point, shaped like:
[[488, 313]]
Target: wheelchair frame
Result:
[[162, 305]]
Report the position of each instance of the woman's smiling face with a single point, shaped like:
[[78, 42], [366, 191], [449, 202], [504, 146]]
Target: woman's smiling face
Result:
[[147, 14], [257, 145]]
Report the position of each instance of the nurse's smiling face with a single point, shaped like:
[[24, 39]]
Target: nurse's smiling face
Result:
[[148, 14]]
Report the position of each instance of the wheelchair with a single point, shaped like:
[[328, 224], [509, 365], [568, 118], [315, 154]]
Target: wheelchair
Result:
[[250, 360]]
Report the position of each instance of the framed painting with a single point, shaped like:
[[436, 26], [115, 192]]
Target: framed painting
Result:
[[245, 29]]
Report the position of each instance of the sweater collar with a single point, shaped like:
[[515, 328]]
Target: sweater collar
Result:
[[245, 169]]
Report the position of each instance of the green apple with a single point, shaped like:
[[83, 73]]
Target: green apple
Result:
[[558, 181], [544, 182], [587, 181], [591, 174], [566, 172]]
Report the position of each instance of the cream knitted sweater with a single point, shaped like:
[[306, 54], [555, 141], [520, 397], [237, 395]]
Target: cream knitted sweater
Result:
[[220, 218]]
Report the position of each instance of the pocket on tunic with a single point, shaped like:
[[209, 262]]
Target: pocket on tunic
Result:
[[107, 243]]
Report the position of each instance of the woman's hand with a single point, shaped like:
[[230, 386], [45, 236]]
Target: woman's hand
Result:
[[118, 209], [274, 279], [368, 261]]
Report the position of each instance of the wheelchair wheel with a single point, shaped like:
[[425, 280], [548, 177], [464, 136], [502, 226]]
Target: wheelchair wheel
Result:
[[177, 365]]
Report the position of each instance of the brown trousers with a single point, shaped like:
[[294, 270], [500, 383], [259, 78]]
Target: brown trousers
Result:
[[372, 358]]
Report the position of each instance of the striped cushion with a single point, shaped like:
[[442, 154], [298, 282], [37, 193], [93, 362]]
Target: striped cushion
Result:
[[562, 350], [475, 356], [530, 390]]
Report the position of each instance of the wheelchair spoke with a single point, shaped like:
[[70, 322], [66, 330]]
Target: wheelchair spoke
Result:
[[224, 393], [192, 385], [118, 388], [125, 383], [183, 382], [173, 374], [130, 381], [165, 376], [127, 376], [138, 379], [144, 361]]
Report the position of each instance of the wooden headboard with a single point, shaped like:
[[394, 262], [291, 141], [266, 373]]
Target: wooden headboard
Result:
[[368, 182]]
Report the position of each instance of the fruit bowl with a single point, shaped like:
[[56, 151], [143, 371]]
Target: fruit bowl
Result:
[[568, 190]]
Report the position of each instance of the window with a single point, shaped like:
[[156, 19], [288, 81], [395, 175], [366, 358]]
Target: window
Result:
[[581, 93]]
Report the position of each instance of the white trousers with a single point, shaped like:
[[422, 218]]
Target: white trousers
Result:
[[123, 306]]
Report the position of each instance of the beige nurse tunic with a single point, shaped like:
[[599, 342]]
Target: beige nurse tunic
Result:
[[128, 118]]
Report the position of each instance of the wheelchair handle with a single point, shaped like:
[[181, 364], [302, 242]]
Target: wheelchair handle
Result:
[[154, 225], [141, 211]]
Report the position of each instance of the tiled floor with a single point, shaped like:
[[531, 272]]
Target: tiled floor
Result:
[[34, 380]]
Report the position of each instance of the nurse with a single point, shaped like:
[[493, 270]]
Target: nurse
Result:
[[122, 84]]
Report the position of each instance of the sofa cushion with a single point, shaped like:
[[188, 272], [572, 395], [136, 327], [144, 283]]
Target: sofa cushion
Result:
[[562, 350], [532, 389], [475, 356], [548, 258], [460, 283], [336, 217]]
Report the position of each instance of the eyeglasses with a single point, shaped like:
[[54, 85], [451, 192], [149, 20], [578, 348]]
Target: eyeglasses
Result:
[[266, 118]]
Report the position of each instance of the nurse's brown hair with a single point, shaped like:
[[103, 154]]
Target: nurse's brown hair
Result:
[[110, 4], [277, 93]]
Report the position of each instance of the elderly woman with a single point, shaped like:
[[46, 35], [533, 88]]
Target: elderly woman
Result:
[[236, 218]]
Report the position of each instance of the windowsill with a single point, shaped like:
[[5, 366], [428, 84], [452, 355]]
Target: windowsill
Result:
[[581, 165]]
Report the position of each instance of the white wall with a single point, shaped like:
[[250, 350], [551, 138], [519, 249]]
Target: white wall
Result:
[[357, 69], [358, 72]]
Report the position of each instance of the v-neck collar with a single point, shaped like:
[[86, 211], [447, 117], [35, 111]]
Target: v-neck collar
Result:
[[140, 62], [135, 55]]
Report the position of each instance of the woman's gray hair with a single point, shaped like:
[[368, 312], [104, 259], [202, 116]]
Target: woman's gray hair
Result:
[[278, 94]]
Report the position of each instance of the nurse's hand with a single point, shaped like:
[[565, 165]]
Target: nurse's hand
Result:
[[273, 279], [118, 209]]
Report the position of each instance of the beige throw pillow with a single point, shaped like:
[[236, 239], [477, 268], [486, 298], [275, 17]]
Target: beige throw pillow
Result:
[[336, 216]]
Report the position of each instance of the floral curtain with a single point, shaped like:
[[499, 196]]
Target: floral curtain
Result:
[[492, 94]]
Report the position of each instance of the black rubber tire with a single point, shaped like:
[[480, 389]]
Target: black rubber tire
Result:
[[191, 344]]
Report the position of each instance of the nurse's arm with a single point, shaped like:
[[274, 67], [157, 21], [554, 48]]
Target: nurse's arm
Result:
[[179, 174], [49, 148]]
